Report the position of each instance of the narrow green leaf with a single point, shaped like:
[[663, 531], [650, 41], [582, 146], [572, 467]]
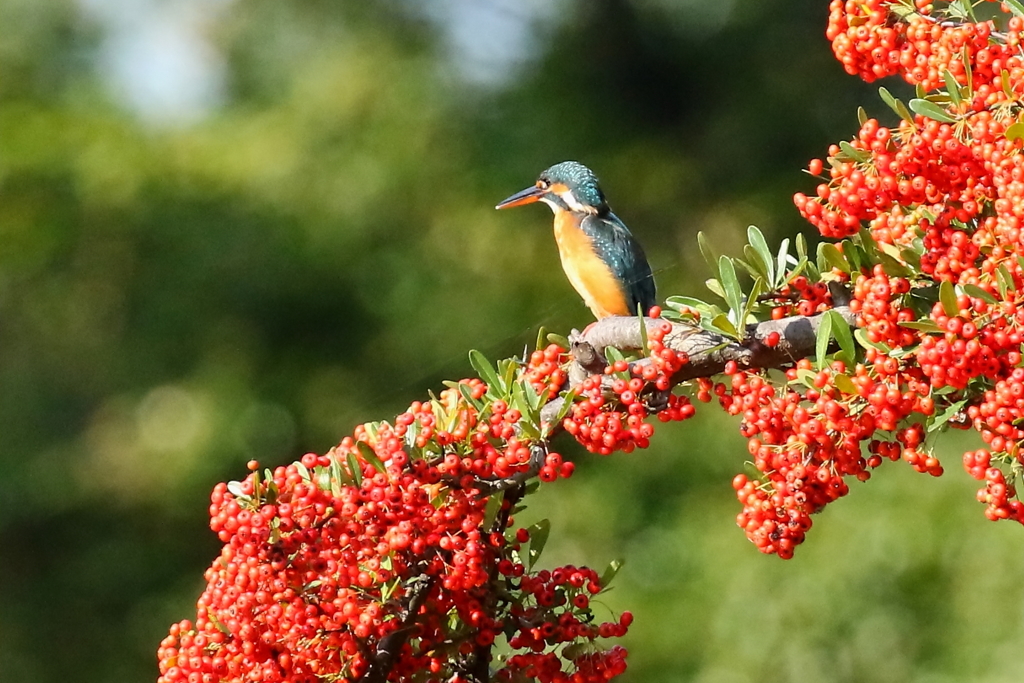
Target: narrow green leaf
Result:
[[370, 456], [1004, 281], [806, 377], [781, 261], [235, 489], [896, 105], [756, 291], [609, 573], [830, 256], [715, 286], [485, 371], [1004, 76], [538, 539], [801, 246], [938, 421], [862, 116], [355, 469], [858, 155], [339, 477], [731, 285], [752, 266], [930, 110], [952, 87], [822, 340], [756, 239], [558, 339], [706, 251], [928, 326], [842, 333], [1016, 7], [722, 325], [303, 471], [644, 344], [491, 509], [507, 369], [467, 395], [542, 336], [862, 338], [947, 296], [979, 293]]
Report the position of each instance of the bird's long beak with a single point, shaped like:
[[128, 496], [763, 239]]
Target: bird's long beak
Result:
[[527, 196]]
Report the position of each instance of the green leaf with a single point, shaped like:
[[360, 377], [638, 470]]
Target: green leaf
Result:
[[938, 421], [370, 456], [952, 87], [644, 344], [1015, 131], [858, 155], [303, 471], [845, 384], [1004, 281], [896, 105], [236, 490], [486, 372], [538, 539], [1016, 7], [862, 116], [542, 335], [806, 377], [715, 286], [491, 509], [609, 573], [843, 335], [339, 477], [862, 338], [822, 340], [979, 293], [930, 110], [760, 245], [756, 291], [829, 255], [928, 326], [467, 395], [947, 296], [706, 251], [1004, 76], [731, 285], [721, 324], [781, 261], [558, 339], [355, 469]]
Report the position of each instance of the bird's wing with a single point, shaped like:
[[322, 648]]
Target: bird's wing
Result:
[[617, 247]]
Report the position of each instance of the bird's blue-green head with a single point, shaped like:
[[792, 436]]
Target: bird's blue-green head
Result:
[[568, 186]]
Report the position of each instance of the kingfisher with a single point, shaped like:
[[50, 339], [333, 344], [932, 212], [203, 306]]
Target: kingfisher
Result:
[[600, 256]]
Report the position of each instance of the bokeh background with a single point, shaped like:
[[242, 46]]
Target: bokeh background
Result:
[[233, 229]]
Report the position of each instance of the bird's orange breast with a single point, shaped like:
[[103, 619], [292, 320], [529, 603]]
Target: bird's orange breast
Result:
[[589, 275]]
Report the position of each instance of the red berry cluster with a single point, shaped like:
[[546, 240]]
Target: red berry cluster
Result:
[[943, 192], [800, 296], [610, 416], [545, 369], [806, 438], [555, 615], [389, 536], [873, 41]]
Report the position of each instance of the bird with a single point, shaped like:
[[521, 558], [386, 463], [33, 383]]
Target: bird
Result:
[[603, 261]]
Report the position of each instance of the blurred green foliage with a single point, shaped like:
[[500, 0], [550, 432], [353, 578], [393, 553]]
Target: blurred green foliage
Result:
[[321, 248]]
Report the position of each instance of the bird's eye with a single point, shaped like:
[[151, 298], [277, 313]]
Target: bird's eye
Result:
[[543, 184]]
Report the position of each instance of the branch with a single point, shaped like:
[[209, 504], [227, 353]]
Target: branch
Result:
[[390, 645], [708, 352]]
